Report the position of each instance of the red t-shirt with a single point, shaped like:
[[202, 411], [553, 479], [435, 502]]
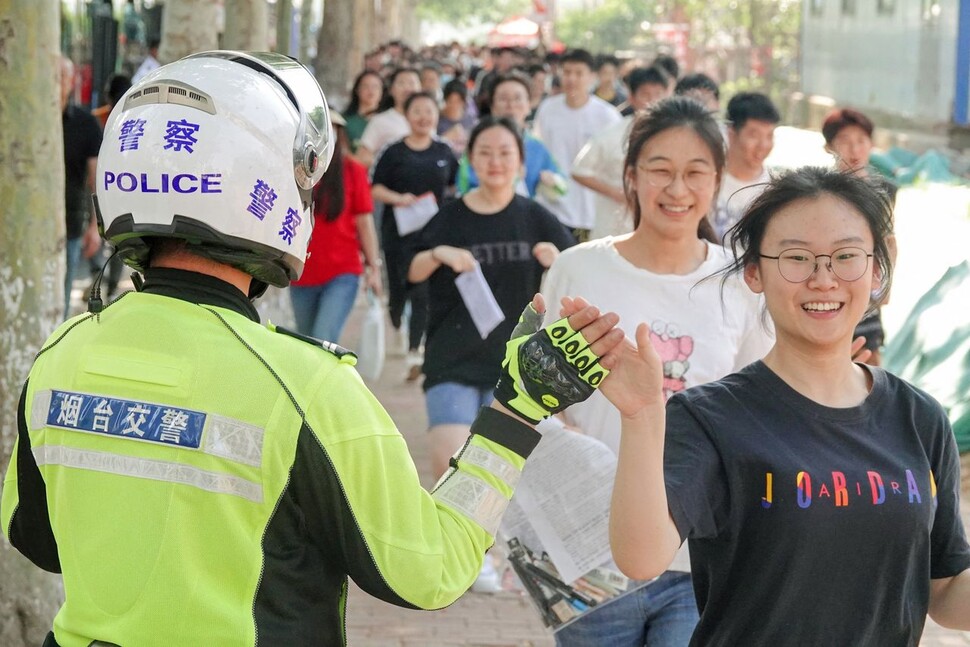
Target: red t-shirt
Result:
[[334, 247]]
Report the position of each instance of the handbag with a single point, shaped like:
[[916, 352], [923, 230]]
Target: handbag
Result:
[[370, 354]]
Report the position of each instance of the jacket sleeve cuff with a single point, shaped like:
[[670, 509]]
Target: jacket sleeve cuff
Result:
[[506, 431]]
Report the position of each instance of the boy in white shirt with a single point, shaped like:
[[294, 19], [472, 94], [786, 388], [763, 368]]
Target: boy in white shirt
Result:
[[565, 122]]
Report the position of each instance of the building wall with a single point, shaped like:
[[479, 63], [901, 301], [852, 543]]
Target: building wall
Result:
[[900, 63]]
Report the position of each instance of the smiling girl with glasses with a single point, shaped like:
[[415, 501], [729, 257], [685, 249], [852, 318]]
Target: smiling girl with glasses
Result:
[[819, 497]]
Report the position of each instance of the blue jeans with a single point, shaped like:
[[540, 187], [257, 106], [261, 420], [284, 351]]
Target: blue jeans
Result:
[[451, 403], [73, 250], [660, 614], [321, 310]]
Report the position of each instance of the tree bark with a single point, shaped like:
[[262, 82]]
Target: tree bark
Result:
[[246, 25], [306, 18], [334, 65], [188, 26], [31, 264], [284, 21]]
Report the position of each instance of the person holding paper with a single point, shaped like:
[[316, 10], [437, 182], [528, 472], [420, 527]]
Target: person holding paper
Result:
[[510, 240], [412, 174], [701, 329], [197, 477], [820, 496]]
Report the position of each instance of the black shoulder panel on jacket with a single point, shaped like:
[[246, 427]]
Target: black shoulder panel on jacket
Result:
[[30, 527]]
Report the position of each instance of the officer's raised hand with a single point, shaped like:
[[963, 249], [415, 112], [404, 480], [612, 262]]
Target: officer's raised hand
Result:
[[547, 369]]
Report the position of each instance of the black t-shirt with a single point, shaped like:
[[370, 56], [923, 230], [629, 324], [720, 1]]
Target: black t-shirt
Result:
[[404, 170], [502, 243], [810, 525], [82, 140]]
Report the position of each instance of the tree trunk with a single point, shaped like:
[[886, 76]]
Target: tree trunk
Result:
[[188, 26], [410, 28], [334, 65], [31, 264], [306, 20], [246, 25], [284, 22]]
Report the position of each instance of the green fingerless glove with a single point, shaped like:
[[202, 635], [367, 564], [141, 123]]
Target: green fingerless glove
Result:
[[546, 370]]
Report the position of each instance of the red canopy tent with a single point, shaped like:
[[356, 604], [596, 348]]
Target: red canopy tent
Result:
[[517, 31]]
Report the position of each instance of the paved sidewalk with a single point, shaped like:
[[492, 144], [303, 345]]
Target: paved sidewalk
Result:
[[505, 619]]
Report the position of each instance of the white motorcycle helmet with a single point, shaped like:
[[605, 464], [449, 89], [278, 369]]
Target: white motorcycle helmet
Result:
[[221, 149]]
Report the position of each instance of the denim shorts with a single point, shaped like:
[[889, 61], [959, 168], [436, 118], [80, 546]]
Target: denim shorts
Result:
[[452, 403]]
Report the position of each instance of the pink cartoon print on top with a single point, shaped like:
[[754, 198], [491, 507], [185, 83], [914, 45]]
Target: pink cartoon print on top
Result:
[[674, 351]]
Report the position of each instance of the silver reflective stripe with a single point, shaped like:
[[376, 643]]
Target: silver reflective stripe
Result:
[[501, 468], [145, 468], [474, 498], [224, 437], [233, 439], [38, 409]]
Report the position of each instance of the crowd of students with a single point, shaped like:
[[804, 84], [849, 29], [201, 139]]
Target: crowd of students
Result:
[[753, 297], [632, 167]]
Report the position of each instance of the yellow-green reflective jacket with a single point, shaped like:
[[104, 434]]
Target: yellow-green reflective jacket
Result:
[[200, 479]]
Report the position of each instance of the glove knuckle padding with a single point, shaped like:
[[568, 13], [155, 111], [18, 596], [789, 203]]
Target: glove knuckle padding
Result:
[[555, 368]]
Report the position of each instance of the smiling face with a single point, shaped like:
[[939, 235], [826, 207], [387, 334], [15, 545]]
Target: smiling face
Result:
[[496, 159], [422, 116], [511, 99], [851, 147], [822, 311], [753, 142], [405, 84], [369, 92], [680, 156]]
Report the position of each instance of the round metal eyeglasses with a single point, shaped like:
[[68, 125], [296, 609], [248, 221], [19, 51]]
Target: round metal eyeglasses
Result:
[[797, 265], [694, 179]]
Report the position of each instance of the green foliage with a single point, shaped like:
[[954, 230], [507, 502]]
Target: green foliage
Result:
[[613, 25], [722, 35], [467, 13]]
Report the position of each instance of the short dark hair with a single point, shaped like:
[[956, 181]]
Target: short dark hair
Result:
[[669, 64], [606, 59], [578, 56], [751, 105], [868, 196], [116, 86], [672, 112], [508, 78], [492, 122], [646, 75], [697, 81], [841, 118], [455, 86]]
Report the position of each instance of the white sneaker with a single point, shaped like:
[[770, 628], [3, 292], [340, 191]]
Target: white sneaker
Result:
[[488, 580]]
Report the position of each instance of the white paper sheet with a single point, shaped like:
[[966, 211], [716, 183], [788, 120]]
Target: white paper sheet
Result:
[[415, 216], [562, 502], [479, 300]]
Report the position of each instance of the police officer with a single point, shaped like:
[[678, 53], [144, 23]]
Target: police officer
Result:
[[200, 479]]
